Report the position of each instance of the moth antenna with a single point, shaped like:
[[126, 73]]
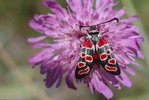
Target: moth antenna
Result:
[[109, 21]]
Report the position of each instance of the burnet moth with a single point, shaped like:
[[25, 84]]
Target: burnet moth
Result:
[[95, 51]]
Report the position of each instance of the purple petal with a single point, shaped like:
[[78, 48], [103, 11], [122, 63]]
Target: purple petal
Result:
[[130, 71], [50, 80], [100, 86], [37, 58], [36, 39], [123, 78], [111, 79], [131, 46], [41, 45], [69, 80], [91, 87], [130, 20], [54, 75], [59, 80], [120, 13], [44, 68], [75, 5], [56, 8], [88, 4]]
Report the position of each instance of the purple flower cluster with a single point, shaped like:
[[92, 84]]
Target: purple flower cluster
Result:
[[60, 57]]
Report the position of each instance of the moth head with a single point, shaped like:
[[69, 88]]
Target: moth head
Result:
[[93, 29]]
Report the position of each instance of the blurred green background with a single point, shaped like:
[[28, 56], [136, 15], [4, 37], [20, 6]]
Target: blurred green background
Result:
[[19, 81]]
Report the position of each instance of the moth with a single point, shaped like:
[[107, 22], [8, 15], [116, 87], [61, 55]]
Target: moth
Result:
[[95, 51]]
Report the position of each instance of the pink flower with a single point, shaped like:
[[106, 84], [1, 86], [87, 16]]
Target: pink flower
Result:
[[61, 56]]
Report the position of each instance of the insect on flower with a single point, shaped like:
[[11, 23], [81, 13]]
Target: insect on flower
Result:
[[95, 50], [94, 45]]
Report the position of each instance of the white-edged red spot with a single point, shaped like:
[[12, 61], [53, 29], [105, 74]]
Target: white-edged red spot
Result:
[[84, 71], [88, 58], [87, 43], [103, 56], [108, 52], [82, 54], [102, 42], [110, 68], [81, 64], [112, 61]]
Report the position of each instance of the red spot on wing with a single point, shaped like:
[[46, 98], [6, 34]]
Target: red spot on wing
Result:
[[112, 61], [102, 42], [81, 64], [82, 54], [84, 71], [96, 56], [87, 43], [110, 68], [108, 52], [103, 56], [89, 58]]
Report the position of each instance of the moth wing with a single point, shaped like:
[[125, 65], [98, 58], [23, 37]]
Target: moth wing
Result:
[[86, 62], [106, 57]]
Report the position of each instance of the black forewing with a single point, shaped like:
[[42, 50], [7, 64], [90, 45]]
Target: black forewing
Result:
[[84, 71], [109, 63]]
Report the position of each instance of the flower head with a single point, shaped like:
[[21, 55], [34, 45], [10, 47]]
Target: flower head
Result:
[[62, 55]]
